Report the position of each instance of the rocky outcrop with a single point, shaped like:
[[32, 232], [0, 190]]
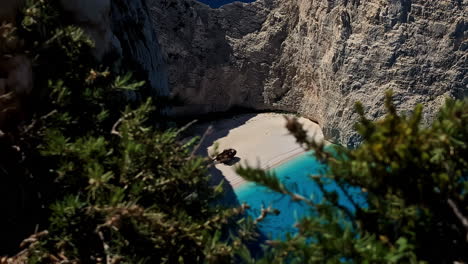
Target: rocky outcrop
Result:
[[315, 57], [123, 34], [136, 43]]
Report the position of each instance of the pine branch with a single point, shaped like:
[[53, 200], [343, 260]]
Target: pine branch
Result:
[[208, 131], [114, 130], [348, 196], [463, 220], [336, 204], [264, 212]]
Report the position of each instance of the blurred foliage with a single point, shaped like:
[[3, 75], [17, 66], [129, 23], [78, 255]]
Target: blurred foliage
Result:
[[101, 182], [414, 182]]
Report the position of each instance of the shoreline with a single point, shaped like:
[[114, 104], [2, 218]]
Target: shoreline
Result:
[[237, 182], [292, 154], [296, 154], [260, 139]]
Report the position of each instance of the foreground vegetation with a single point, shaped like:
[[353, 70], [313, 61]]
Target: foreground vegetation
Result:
[[102, 181], [415, 183], [94, 178]]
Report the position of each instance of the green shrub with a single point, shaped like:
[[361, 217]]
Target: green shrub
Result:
[[111, 187], [415, 182]]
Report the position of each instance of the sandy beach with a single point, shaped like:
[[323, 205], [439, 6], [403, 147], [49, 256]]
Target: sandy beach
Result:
[[261, 140]]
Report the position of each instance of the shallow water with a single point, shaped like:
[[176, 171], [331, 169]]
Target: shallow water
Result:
[[295, 174]]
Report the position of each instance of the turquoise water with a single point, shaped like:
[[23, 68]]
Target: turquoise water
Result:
[[295, 174]]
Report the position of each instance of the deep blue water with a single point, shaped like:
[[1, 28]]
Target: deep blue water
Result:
[[294, 174], [218, 3]]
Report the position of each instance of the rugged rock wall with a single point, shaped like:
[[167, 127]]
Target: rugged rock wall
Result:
[[123, 31], [315, 57], [123, 35], [136, 43]]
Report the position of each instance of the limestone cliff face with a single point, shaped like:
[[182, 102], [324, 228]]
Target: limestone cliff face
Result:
[[315, 57], [136, 42], [123, 34], [123, 31]]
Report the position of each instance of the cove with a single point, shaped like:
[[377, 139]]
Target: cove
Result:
[[295, 175]]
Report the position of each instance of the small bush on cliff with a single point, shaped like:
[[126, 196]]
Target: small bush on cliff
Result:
[[415, 180], [100, 182]]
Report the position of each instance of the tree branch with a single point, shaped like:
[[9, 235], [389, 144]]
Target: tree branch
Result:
[[205, 134], [459, 215]]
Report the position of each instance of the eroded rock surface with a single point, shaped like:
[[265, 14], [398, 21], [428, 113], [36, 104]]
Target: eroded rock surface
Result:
[[315, 57], [123, 34], [123, 31], [136, 43]]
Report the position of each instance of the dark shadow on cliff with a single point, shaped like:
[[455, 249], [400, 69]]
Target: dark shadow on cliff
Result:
[[213, 127]]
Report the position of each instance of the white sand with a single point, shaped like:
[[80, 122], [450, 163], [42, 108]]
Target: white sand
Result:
[[261, 140]]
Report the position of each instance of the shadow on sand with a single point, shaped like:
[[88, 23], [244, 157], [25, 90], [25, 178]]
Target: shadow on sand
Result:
[[219, 129], [233, 161]]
